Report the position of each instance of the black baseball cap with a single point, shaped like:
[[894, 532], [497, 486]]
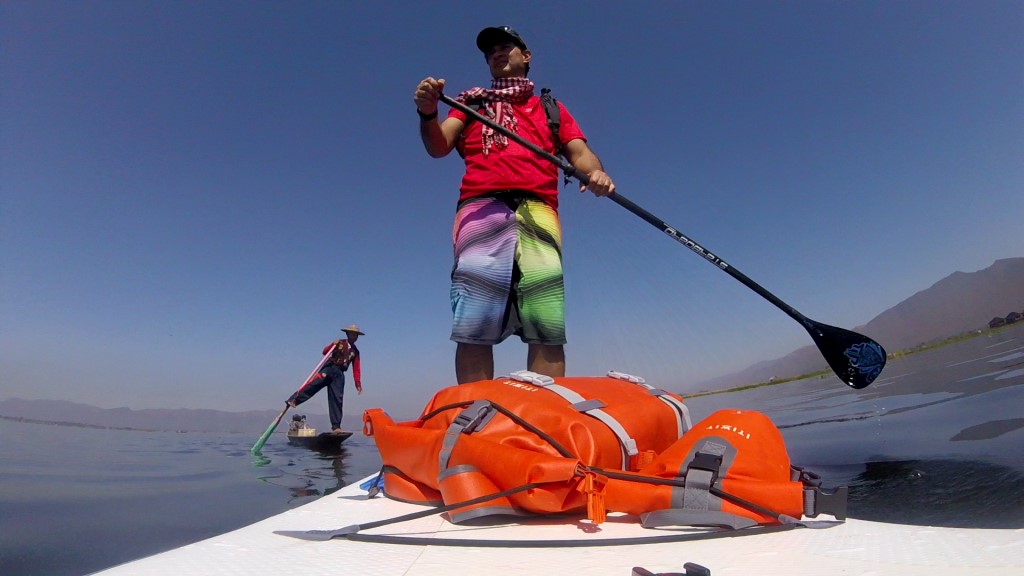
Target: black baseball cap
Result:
[[489, 37]]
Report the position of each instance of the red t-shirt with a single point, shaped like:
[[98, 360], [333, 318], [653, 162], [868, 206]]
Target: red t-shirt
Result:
[[514, 166], [346, 354]]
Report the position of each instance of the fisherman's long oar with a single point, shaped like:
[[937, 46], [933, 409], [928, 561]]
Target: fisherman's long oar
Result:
[[855, 358], [273, 425]]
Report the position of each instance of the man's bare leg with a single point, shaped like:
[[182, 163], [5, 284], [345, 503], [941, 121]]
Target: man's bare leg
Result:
[[474, 362], [546, 359]]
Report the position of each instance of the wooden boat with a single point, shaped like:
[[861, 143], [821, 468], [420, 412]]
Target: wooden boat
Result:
[[301, 434]]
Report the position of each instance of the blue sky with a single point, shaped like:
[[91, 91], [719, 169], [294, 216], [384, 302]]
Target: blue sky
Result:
[[196, 196]]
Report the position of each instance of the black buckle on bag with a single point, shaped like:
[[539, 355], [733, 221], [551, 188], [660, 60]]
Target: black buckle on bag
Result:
[[709, 462], [805, 477], [820, 501]]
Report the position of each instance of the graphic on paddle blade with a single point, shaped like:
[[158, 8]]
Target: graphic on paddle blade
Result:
[[856, 359]]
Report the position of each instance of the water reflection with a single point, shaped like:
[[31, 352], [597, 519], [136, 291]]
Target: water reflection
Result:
[[307, 473], [324, 474], [951, 493]]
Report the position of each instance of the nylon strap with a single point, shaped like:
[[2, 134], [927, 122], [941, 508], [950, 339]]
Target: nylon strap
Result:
[[471, 419], [591, 408], [682, 413]]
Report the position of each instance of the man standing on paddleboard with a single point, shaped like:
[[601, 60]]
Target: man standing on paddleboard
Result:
[[507, 278], [332, 375]]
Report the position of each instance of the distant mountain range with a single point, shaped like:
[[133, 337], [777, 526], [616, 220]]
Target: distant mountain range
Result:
[[958, 303]]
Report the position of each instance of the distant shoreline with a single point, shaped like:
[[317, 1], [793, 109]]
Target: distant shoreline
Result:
[[891, 356], [76, 424]]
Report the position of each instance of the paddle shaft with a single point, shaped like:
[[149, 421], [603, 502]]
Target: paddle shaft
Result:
[[273, 425], [841, 348], [628, 204], [323, 361]]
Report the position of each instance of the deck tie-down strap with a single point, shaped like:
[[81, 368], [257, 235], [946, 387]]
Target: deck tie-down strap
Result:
[[701, 474], [683, 422], [469, 420], [592, 408]]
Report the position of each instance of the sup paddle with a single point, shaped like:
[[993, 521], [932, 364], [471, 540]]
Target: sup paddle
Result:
[[855, 358], [255, 450]]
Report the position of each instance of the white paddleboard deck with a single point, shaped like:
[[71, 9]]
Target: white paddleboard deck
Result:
[[853, 547]]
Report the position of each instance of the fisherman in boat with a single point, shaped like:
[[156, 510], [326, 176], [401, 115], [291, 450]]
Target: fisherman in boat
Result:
[[298, 423], [507, 277], [344, 354]]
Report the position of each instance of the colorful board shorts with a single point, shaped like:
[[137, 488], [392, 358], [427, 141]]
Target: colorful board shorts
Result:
[[507, 277]]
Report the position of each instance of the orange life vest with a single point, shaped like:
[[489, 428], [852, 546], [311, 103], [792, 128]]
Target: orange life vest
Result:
[[558, 445]]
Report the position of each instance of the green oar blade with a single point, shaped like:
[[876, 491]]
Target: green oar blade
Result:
[[266, 435]]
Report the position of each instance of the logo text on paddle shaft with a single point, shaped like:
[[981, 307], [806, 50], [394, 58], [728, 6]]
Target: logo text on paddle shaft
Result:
[[696, 248], [730, 428]]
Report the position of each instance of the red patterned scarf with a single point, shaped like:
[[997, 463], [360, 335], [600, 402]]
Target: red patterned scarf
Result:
[[497, 101]]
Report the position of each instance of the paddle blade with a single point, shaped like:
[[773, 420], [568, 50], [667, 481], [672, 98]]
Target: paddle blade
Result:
[[263, 439], [855, 358], [255, 450]]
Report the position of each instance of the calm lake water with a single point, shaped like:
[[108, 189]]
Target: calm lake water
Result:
[[937, 440]]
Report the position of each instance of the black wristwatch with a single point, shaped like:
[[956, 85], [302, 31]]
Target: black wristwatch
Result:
[[426, 117]]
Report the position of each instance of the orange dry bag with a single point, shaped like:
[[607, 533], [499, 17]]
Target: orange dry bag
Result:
[[544, 445]]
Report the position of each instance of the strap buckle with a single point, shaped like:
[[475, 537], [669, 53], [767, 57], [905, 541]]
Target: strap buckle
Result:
[[820, 501], [708, 462], [804, 476], [532, 378], [474, 416], [627, 377]]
